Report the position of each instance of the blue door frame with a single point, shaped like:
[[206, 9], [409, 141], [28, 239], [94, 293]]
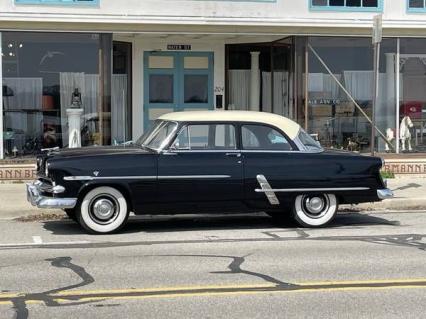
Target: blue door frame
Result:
[[178, 73]]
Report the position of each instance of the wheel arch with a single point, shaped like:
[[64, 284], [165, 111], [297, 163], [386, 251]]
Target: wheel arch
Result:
[[121, 187]]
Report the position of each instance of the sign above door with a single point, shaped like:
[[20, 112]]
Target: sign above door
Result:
[[179, 47]]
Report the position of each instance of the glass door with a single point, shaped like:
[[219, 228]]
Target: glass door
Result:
[[177, 81]]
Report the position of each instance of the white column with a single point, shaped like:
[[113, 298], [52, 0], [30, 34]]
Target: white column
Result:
[[254, 82], [1, 102], [74, 127]]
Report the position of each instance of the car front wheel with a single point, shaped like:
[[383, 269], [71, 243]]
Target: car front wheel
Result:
[[103, 210], [315, 210]]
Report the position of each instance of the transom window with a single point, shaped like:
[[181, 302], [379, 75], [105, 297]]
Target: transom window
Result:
[[206, 137], [416, 5], [347, 5], [261, 137]]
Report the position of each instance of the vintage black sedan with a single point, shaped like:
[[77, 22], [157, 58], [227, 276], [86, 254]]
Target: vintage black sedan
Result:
[[207, 162]]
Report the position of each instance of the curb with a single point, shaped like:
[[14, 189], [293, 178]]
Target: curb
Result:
[[396, 204]]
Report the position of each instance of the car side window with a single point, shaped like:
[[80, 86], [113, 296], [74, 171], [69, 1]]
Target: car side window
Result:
[[206, 137], [262, 137]]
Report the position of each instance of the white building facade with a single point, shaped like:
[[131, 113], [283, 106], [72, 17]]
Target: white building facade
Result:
[[124, 63]]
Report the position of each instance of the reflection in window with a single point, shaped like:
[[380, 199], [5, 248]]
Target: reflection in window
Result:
[[41, 74], [206, 137], [161, 88], [196, 88], [260, 137]]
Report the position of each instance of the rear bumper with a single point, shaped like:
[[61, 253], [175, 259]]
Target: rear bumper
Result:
[[385, 193], [34, 196]]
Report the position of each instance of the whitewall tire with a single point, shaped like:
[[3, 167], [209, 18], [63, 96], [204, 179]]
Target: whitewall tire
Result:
[[315, 210], [103, 210]]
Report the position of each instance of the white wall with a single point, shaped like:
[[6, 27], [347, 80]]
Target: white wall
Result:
[[141, 44], [281, 13]]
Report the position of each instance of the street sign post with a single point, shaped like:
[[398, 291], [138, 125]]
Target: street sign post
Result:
[[377, 39]]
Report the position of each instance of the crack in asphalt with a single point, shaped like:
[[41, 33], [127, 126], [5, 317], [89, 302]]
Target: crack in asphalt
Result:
[[235, 268], [20, 302]]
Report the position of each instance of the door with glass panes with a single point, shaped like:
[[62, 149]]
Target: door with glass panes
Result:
[[176, 81]]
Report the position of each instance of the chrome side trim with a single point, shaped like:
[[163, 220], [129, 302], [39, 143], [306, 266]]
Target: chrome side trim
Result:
[[91, 178], [194, 176], [267, 189], [34, 197], [78, 178], [384, 193], [297, 190]]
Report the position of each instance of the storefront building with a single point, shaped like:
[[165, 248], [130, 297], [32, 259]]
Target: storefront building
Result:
[[128, 62]]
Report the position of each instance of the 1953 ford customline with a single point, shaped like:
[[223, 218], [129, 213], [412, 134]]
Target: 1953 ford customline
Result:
[[207, 161]]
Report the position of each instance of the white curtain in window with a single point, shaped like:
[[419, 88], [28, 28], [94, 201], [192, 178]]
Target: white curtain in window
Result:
[[118, 107], [280, 92], [239, 89], [23, 93], [324, 83]]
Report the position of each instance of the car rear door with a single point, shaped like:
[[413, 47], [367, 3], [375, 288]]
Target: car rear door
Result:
[[270, 161], [202, 168]]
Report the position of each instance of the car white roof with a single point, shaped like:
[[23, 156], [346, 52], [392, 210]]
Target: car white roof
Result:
[[288, 126]]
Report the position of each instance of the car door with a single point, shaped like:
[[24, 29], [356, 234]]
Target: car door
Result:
[[270, 158], [202, 168]]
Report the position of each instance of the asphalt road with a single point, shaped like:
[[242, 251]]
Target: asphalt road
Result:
[[362, 266]]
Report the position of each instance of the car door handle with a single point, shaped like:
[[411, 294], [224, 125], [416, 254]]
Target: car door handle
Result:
[[233, 154]]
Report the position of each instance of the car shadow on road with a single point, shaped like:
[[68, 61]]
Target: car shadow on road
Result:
[[182, 223]]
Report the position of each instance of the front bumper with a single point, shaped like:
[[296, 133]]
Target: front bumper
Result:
[[385, 193], [34, 196]]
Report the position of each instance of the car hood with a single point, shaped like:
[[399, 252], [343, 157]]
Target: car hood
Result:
[[95, 151]]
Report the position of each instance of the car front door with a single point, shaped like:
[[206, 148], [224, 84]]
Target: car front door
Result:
[[202, 168]]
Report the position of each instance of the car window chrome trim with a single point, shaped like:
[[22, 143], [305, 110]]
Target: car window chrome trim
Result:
[[297, 190], [233, 150], [269, 151]]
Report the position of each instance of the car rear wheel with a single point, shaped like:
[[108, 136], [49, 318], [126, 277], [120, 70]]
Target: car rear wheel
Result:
[[103, 210], [315, 210]]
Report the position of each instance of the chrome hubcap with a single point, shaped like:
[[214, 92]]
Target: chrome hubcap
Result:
[[103, 209], [315, 205]]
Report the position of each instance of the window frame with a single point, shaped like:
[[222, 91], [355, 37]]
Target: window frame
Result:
[[70, 3], [186, 125], [416, 10], [345, 8]]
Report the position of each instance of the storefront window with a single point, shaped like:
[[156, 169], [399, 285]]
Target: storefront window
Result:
[[332, 115], [121, 93], [260, 77], [412, 94], [44, 74]]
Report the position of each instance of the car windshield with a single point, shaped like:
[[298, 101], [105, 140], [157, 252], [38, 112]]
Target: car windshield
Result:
[[309, 142], [158, 135]]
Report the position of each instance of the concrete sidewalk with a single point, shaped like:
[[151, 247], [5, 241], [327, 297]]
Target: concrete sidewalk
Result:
[[410, 194]]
